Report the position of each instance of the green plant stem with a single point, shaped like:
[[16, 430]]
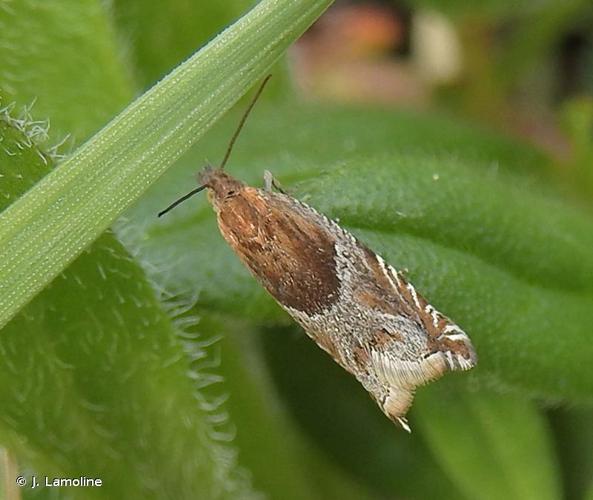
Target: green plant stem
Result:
[[42, 232]]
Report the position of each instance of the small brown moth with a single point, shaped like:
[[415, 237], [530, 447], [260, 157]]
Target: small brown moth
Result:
[[356, 307]]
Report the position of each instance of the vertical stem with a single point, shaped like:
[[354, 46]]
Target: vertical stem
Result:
[[10, 473]]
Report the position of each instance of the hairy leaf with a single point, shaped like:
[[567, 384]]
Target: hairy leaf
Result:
[[264, 427], [61, 56], [93, 373], [46, 229]]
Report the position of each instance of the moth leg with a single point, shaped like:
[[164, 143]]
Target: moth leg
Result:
[[270, 182]]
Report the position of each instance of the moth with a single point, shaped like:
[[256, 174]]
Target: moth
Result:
[[354, 305]]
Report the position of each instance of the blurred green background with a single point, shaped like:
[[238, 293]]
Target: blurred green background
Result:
[[454, 138]]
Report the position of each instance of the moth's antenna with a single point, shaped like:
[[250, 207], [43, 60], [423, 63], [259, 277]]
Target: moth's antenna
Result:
[[228, 151], [181, 200], [242, 122]]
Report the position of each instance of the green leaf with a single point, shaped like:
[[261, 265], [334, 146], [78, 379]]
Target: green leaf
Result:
[[308, 140], [468, 213], [89, 359], [61, 55], [492, 446], [102, 315], [340, 418], [511, 265], [162, 34], [45, 230], [298, 469], [496, 251], [573, 431]]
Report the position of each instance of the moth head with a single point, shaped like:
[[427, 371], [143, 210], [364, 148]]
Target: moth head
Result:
[[221, 185]]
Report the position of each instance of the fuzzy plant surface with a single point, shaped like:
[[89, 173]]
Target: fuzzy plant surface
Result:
[[113, 168], [150, 358], [89, 358], [470, 217], [97, 370]]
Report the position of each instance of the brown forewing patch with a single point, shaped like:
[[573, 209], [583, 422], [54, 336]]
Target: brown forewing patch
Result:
[[291, 255], [383, 293], [400, 300], [361, 357], [420, 312], [372, 262], [455, 346], [375, 299], [382, 338]]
